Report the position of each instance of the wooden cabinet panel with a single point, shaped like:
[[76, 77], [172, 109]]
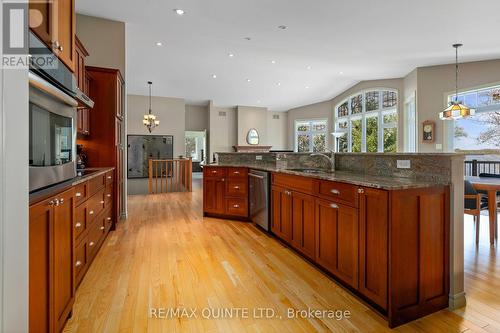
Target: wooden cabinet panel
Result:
[[236, 207], [296, 183], [80, 222], [302, 214], [214, 172], [96, 184], [213, 195], [119, 98], [237, 187], [108, 196], [110, 177], [41, 20], [64, 288], [81, 192], [373, 244], [281, 224], [40, 273], [81, 262], [339, 192], [237, 173], [337, 240], [95, 205], [65, 31]]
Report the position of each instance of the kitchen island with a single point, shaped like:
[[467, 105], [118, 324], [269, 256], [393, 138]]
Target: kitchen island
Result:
[[385, 239]]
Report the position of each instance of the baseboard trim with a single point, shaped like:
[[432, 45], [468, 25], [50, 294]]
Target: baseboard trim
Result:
[[457, 301]]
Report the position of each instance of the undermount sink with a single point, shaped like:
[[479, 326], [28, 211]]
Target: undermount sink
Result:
[[306, 170]]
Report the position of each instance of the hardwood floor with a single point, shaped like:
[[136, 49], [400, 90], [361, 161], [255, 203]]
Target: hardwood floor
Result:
[[166, 255]]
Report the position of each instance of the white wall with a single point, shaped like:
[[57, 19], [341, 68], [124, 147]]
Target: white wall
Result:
[[170, 112], [14, 232], [252, 117], [277, 130], [223, 129], [196, 118]]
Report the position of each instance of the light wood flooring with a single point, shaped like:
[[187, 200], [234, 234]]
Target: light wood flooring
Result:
[[166, 255]]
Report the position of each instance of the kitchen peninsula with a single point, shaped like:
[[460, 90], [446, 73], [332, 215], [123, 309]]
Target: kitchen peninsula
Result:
[[380, 231]]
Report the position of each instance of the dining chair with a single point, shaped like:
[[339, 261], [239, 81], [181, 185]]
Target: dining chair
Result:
[[474, 202]]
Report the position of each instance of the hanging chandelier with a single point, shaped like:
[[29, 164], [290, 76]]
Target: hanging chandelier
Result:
[[150, 120], [456, 110]]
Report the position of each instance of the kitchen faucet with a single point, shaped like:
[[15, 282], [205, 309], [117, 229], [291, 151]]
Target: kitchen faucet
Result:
[[331, 159]]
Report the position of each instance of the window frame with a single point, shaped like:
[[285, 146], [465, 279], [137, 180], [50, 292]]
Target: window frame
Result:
[[310, 132], [380, 112]]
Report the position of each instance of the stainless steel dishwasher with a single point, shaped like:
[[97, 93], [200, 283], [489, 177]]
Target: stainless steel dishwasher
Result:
[[259, 198]]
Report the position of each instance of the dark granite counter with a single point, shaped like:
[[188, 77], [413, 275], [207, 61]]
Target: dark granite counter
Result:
[[381, 182], [90, 173]]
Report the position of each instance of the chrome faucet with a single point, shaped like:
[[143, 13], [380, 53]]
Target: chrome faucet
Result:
[[331, 159]]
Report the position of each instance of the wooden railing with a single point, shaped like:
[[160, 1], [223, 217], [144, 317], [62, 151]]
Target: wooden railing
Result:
[[475, 167], [170, 175]]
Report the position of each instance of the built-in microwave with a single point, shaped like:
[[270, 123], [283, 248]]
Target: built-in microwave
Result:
[[52, 134]]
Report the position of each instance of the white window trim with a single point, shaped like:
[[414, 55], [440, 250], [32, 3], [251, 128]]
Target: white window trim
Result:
[[310, 132], [379, 113]]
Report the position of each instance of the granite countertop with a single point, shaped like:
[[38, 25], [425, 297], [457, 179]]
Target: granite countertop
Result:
[[381, 182], [40, 195]]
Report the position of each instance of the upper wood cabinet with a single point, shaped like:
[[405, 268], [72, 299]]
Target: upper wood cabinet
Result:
[[54, 22], [83, 79], [51, 284]]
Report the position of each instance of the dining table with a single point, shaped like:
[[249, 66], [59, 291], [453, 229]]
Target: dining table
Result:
[[491, 186]]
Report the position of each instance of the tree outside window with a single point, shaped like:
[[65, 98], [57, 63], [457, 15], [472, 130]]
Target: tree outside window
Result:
[[311, 135]]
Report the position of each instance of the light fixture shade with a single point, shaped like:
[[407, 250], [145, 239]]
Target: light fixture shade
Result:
[[456, 111]]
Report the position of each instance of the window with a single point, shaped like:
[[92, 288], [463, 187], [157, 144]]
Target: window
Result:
[[311, 135], [370, 121], [482, 131]]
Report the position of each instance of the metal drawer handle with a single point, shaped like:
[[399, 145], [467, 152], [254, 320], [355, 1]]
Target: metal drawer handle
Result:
[[78, 194], [237, 187], [108, 219], [334, 206], [109, 177], [78, 263], [335, 191], [102, 228], [91, 212], [91, 244], [236, 172], [236, 206], [108, 195], [102, 201], [360, 190], [214, 171], [78, 225]]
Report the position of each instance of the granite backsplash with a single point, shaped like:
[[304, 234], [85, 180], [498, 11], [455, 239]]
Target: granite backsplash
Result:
[[426, 167]]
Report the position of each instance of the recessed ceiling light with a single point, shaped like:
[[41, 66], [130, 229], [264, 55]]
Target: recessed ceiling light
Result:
[[307, 87], [230, 55], [278, 84], [214, 76], [273, 61], [248, 38], [179, 12], [308, 67], [248, 80], [282, 27], [159, 44], [341, 73]]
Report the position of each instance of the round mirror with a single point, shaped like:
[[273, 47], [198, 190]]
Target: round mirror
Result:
[[253, 137]]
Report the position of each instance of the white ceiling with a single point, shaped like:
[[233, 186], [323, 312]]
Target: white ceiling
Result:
[[362, 39]]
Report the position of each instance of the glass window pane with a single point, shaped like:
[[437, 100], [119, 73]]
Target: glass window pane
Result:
[[319, 142], [356, 104], [495, 96], [390, 139], [471, 100], [303, 126], [342, 144], [356, 136], [319, 126], [372, 134], [372, 102], [389, 99], [343, 110], [390, 118], [483, 98], [303, 142], [342, 125]]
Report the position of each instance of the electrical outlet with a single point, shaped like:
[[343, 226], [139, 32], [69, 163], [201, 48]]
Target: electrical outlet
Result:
[[258, 157], [403, 164]]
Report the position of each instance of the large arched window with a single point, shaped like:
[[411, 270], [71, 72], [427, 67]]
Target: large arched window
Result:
[[369, 120]]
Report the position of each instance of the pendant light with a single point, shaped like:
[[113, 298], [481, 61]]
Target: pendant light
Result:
[[150, 120], [456, 110]]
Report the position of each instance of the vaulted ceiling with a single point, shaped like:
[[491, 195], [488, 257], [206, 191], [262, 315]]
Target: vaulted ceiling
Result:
[[324, 47]]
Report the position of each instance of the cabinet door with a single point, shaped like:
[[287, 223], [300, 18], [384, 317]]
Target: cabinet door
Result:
[[373, 238], [64, 43], [120, 195], [40, 276], [119, 98], [63, 257], [302, 235], [41, 19], [213, 195], [281, 213], [337, 240]]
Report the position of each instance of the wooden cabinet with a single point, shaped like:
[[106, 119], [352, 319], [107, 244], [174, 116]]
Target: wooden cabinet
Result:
[[54, 23], [51, 283], [104, 145], [373, 244], [281, 221], [337, 240], [225, 192], [302, 216], [83, 83]]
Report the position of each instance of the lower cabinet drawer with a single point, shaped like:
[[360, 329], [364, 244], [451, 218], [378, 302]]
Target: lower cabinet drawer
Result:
[[344, 193], [95, 236], [95, 205], [81, 261], [81, 192], [237, 207], [96, 184], [108, 196], [237, 187], [80, 222]]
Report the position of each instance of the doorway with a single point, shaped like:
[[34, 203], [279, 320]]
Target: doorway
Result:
[[195, 142]]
